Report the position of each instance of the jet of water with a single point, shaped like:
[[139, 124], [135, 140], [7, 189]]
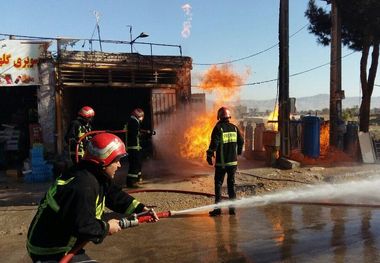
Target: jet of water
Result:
[[365, 190]]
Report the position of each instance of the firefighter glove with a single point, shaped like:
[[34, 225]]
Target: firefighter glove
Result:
[[209, 160], [209, 157]]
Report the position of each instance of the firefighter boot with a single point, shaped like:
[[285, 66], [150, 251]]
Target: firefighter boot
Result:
[[215, 212], [131, 182], [140, 180], [231, 211]]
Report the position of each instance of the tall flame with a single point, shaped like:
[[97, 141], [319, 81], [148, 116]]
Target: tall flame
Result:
[[324, 139], [197, 137], [273, 119], [226, 85]]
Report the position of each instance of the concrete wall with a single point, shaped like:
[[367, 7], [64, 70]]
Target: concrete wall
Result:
[[46, 105]]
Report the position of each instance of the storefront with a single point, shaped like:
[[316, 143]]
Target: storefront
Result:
[[19, 98], [41, 94]]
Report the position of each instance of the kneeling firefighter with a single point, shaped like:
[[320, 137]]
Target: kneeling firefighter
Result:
[[71, 211]]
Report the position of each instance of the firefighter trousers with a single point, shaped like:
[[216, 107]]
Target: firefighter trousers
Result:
[[134, 170], [219, 178]]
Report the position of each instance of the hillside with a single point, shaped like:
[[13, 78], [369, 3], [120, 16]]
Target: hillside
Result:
[[317, 102]]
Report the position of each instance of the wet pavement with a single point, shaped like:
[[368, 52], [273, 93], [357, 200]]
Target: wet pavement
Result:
[[272, 233]]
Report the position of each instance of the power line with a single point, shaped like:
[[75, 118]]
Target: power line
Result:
[[292, 75], [250, 56], [317, 67], [296, 74], [246, 84]]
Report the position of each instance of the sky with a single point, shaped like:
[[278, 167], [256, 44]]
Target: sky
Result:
[[208, 31]]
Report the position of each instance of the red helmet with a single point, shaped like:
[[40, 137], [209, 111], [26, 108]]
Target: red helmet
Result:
[[104, 148], [86, 112], [223, 113], [138, 113]]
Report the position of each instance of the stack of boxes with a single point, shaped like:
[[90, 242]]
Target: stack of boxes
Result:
[[39, 170]]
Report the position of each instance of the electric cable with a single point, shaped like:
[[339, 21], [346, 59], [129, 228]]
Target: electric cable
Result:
[[197, 86], [249, 56], [291, 75]]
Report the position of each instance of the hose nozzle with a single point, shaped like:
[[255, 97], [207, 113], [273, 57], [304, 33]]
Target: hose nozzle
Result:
[[128, 222]]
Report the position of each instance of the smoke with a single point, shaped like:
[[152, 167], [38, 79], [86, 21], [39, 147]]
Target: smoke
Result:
[[187, 24], [167, 146]]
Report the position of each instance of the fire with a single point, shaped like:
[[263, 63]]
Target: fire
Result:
[[226, 85], [223, 81], [197, 137], [324, 139], [273, 119], [329, 155]]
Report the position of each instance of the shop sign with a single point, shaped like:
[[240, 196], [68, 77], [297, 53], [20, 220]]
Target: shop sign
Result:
[[19, 62]]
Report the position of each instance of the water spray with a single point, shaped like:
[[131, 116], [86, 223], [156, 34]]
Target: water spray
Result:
[[311, 195]]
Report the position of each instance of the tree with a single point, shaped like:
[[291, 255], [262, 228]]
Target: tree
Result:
[[360, 32], [350, 114]]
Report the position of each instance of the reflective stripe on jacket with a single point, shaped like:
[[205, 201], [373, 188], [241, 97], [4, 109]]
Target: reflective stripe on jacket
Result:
[[226, 141], [72, 209], [133, 134], [76, 131]]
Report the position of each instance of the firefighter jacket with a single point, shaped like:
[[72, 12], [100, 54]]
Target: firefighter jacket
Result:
[[71, 211], [227, 142], [78, 128], [133, 134]]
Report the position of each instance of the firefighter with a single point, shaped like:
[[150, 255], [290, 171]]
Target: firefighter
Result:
[[227, 142], [78, 127], [134, 147], [71, 211]]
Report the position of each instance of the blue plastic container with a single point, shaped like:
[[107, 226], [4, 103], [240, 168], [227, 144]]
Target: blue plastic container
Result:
[[311, 126], [41, 170]]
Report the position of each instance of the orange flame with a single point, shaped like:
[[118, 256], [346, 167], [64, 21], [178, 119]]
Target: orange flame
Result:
[[223, 81], [226, 85], [329, 155], [197, 137], [324, 139], [273, 119]]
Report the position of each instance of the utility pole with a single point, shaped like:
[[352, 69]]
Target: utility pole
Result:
[[336, 92], [58, 102], [284, 107]]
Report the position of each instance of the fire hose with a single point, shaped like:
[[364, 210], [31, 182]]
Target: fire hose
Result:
[[125, 222], [102, 131], [145, 217]]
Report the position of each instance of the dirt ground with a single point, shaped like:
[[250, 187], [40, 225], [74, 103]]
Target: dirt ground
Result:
[[18, 200]]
